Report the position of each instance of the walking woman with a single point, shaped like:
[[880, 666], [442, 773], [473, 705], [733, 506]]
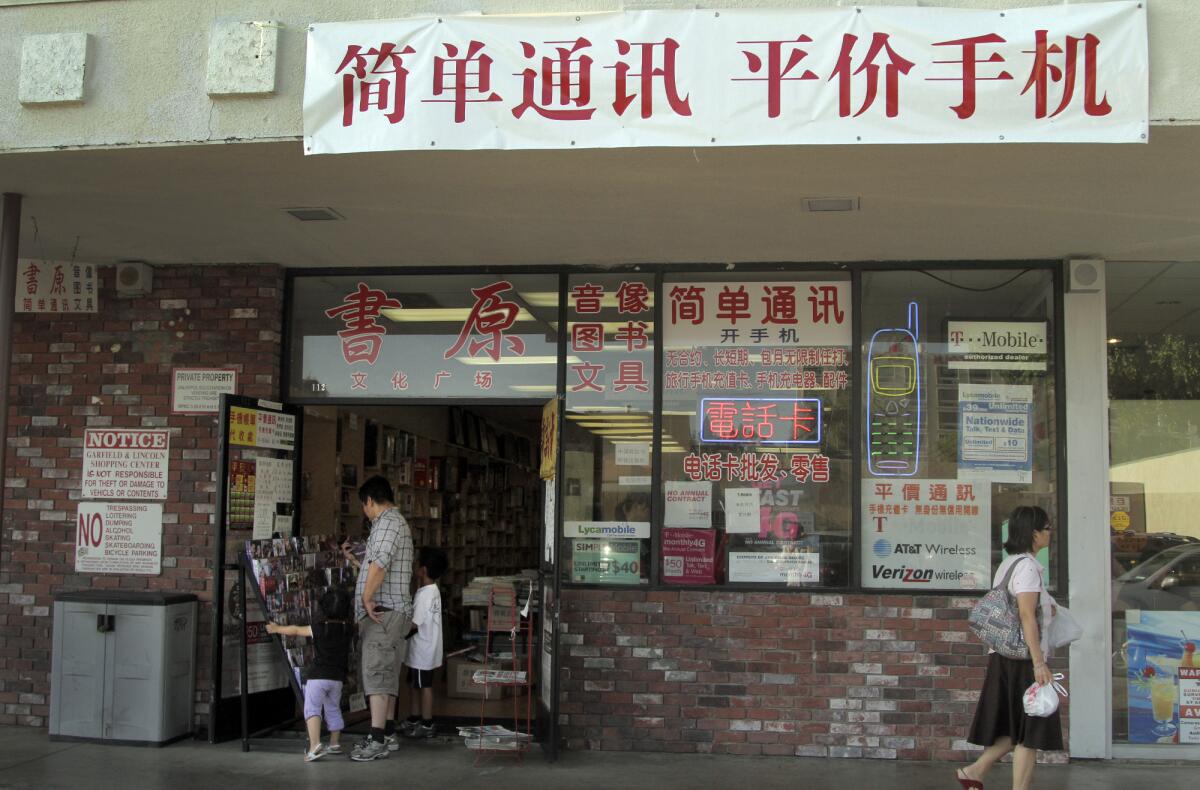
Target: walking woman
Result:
[[1000, 722]]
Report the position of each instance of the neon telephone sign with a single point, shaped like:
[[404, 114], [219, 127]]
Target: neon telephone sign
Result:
[[894, 400]]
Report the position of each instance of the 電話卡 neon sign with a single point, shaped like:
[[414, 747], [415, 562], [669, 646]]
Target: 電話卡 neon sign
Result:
[[761, 420]]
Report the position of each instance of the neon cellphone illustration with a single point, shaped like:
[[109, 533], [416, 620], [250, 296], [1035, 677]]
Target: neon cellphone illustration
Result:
[[894, 400]]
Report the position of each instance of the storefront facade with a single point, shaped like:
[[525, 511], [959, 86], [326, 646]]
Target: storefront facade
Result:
[[787, 439]]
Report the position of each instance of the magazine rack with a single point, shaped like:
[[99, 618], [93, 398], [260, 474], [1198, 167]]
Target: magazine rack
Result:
[[504, 670]]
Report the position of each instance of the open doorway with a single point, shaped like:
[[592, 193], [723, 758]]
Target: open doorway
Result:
[[466, 481]]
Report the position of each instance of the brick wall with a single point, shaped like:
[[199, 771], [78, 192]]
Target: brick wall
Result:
[[819, 675], [113, 368]]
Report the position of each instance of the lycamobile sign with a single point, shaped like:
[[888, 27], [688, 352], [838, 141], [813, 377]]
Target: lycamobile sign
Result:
[[606, 529]]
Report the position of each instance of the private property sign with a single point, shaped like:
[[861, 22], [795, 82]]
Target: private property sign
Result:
[[125, 463], [1076, 72]]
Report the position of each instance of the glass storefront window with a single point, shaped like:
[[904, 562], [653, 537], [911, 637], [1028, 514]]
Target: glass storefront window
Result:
[[756, 415], [1154, 449], [958, 422], [424, 336], [608, 434]]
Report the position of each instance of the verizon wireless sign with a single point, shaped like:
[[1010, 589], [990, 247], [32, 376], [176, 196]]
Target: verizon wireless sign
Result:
[[125, 464]]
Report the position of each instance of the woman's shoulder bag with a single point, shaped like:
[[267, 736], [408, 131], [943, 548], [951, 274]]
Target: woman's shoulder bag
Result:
[[996, 621]]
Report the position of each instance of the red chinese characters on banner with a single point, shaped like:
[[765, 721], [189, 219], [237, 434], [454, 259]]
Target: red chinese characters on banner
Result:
[[491, 316], [466, 80], [650, 73], [565, 83], [1044, 72], [385, 93], [363, 336], [775, 72], [845, 72], [556, 77]]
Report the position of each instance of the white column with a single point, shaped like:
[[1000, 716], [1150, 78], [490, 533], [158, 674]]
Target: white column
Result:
[[1088, 549]]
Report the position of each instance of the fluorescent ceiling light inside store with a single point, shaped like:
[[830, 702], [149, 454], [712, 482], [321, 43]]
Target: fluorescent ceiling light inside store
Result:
[[534, 387], [532, 360], [433, 315], [550, 299]]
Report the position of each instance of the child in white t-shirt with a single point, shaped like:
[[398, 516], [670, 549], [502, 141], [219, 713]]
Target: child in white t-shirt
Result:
[[424, 643]]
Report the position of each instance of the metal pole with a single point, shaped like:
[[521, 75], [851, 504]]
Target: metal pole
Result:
[[10, 234]]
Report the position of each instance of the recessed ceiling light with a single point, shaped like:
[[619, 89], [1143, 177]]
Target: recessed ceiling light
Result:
[[314, 214], [1112, 341], [831, 204]]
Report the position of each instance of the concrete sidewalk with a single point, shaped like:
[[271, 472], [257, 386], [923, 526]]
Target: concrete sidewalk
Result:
[[29, 759]]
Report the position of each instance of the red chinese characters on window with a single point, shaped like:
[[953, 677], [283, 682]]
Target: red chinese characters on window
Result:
[[824, 302], [733, 304], [491, 316], [561, 88], [844, 71], [633, 335], [780, 304], [649, 74], [969, 63], [631, 374], [587, 338], [774, 71], [687, 304], [803, 420], [1044, 72], [466, 80], [385, 93], [587, 298], [587, 377], [58, 283], [633, 297], [722, 419], [363, 336]]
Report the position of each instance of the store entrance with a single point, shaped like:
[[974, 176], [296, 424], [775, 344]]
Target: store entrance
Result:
[[466, 481]]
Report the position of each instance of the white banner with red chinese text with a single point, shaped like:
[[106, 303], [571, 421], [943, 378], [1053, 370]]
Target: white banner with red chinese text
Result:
[[1055, 73]]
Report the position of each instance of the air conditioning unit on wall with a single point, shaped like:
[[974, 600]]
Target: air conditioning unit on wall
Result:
[[134, 278]]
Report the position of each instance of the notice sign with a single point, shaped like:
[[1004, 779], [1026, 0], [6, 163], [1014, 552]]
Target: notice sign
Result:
[[995, 432], [689, 556], [125, 464], [119, 537], [198, 390], [926, 534], [996, 345], [688, 504], [783, 567]]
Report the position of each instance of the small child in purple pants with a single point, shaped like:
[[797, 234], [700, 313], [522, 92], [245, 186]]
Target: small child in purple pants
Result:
[[324, 678]]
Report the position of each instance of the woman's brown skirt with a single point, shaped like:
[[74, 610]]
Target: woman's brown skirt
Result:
[[1001, 710]]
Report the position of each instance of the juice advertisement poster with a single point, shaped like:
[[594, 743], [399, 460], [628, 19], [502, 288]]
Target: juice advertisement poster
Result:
[[1163, 676]]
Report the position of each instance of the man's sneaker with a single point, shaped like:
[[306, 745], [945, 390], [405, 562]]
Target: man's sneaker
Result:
[[392, 743], [407, 728], [316, 754], [421, 731], [334, 748], [369, 749]]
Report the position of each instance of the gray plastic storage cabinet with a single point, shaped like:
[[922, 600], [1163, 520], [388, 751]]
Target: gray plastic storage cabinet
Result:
[[123, 666]]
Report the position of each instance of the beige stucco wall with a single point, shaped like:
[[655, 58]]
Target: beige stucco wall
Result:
[[146, 75]]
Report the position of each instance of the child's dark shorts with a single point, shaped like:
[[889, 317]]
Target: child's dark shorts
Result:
[[420, 678]]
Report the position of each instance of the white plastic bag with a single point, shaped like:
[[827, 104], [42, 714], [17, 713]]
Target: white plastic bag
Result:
[[1042, 700], [1063, 629]]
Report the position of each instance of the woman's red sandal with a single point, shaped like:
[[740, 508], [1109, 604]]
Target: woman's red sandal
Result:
[[967, 784]]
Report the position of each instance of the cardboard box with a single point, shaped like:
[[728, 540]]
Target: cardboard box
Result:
[[459, 684]]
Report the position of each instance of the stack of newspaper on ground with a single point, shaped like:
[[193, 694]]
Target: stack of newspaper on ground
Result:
[[493, 737], [524, 583]]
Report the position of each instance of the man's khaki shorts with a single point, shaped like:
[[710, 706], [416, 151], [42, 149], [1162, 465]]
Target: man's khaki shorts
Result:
[[384, 649]]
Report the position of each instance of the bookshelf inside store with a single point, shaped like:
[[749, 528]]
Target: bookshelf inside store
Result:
[[464, 482]]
